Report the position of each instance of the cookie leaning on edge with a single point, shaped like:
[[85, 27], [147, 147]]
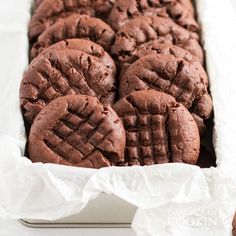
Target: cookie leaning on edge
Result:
[[158, 129], [75, 26], [155, 47], [147, 28], [57, 73], [48, 12], [88, 47], [171, 75], [123, 11], [77, 130]]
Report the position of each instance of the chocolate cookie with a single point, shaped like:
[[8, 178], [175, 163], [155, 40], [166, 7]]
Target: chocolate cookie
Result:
[[123, 11], [144, 29], [77, 130], [86, 46], [62, 72], [171, 75], [75, 26], [49, 11], [158, 129], [155, 47]]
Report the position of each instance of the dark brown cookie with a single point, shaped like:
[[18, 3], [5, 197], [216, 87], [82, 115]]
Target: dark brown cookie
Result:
[[86, 46], [171, 75], [158, 129], [62, 72], [155, 47], [123, 11], [49, 11], [77, 130], [75, 26], [144, 29]]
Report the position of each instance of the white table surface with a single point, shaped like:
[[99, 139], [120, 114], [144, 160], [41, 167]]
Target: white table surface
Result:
[[15, 228]]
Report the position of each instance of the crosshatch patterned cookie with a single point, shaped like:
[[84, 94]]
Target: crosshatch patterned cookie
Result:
[[77, 130], [154, 47], [63, 72], [48, 12], [123, 11], [144, 29], [75, 26], [158, 129], [86, 46], [166, 73]]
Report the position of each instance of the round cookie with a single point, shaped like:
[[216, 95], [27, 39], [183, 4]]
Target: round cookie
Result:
[[49, 11], [144, 29], [77, 130], [123, 11], [171, 75], [86, 46], [154, 47], [61, 72], [158, 129], [75, 26]]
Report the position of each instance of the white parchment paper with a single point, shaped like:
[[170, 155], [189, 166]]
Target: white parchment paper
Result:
[[172, 199]]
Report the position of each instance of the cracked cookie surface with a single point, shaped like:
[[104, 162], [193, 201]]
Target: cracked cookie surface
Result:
[[88, 47], [144, 29], [158, 129], [155, 47], [77, 130], [179, 11], [61, 72], [75, 26], [48, 12], [171, 75]]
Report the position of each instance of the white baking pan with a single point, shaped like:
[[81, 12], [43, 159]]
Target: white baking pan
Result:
[[105, 211]]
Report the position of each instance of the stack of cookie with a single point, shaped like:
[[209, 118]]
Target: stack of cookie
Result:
[[115, 82]]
